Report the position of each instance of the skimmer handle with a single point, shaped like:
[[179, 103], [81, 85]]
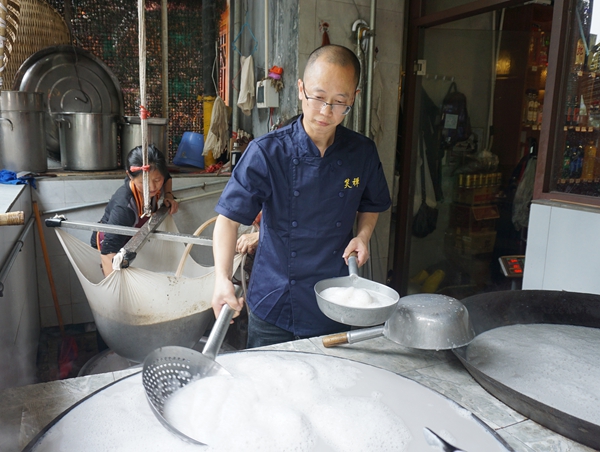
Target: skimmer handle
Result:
[[218, 332]]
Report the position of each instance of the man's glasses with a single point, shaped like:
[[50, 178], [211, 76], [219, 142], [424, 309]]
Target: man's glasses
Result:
[[318, 104]]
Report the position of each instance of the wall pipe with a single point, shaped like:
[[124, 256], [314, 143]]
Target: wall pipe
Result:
[[237, 19], [18, 246], [164, 31], [266, 38], [371, 58]]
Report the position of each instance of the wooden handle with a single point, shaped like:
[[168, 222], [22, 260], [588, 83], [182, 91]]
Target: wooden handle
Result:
[[335, 339], [38, 222], [12, 218], [188, 248]]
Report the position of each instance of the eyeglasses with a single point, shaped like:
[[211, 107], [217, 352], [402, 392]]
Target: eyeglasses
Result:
[[318, 104]]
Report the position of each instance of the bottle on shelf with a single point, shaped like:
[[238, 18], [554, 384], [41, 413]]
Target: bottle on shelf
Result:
[[582, 118], [589, 160], [579, 56]]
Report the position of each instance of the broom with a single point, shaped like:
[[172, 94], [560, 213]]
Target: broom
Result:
[[68, 346]]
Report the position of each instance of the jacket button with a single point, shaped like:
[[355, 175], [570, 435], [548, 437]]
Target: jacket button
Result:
[[341, 194], [293, 254], [295, 161], [296, 193], [293, 282], [339, 162], [334, 251], [294, 224], [338, 224]]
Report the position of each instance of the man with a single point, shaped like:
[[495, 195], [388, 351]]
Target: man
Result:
[[312, 179]]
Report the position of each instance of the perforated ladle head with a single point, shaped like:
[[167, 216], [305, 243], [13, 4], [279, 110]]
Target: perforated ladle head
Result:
[[168, 369]]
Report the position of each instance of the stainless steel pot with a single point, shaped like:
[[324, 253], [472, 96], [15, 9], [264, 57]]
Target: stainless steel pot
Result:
[[131, 135], [22, 132], [88, 141]]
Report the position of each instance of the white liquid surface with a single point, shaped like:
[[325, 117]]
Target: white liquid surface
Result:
[[276, 403], [355, 297], [307, 402], [557, 365]]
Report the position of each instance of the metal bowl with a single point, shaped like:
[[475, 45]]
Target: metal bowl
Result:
[[356, 316], [430, 322]]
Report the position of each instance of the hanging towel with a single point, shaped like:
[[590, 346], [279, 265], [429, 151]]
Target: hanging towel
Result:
[[216, 141], [246, 98]]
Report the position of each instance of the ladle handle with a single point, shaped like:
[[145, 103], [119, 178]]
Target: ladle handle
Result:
[[218, 332], [351, 337], [353, 263]]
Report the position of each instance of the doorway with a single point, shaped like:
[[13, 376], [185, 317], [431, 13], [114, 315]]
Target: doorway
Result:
[[472, 120]]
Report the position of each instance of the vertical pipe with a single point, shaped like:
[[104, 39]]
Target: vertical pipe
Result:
[[3, 11], [237, 16], [266, 37], [164, 21], [209, 38], [143, 111], [371, 56]]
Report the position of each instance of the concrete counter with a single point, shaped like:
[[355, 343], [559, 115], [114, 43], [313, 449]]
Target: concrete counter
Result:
[[24, 411]]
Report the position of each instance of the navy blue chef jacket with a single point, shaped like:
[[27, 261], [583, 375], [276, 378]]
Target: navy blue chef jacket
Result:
[[309, 206]]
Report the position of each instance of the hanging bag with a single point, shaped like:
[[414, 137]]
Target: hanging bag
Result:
[[456, 125], [425, 220]]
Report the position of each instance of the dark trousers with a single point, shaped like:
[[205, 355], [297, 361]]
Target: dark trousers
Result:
[[261, 333]]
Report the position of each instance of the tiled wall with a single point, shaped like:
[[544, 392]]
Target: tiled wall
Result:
[[19, 318], [389, 26], [59, 193]]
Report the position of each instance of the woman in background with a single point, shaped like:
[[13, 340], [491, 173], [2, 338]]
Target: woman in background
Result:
[[126, 205]]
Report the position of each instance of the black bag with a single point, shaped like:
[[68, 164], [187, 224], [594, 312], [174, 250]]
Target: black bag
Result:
[[455, 121], [425, 221]]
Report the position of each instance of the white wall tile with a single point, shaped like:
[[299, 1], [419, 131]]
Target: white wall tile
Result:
[[60, 267], [82, 313], [48, 316]]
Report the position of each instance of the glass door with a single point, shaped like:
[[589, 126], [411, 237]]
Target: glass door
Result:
[[479, 93]]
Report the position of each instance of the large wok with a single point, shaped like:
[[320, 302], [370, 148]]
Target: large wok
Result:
[[356, 316]]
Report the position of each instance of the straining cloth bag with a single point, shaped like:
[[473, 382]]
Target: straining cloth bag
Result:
[[146, 292]]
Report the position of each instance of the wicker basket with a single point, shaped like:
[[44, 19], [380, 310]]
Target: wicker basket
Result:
[[31, 25]]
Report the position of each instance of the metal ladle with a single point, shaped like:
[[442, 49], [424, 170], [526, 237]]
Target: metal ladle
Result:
[[168, 369], [422, 321]]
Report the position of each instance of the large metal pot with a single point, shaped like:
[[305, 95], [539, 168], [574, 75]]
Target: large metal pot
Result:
[[88, 141], [22, 132], [131, 135]]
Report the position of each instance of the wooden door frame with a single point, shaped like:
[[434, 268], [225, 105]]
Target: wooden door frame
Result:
[[417, 22]]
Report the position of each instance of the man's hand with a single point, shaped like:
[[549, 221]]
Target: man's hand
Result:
[[247, 243], [224, 293], [360, 247]]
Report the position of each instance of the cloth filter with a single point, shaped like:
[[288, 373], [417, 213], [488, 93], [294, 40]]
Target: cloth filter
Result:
[[147, 292], [216, 140], [247, 96]]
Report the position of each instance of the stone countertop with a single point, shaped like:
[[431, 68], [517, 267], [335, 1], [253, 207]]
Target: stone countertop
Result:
[[25, 410]]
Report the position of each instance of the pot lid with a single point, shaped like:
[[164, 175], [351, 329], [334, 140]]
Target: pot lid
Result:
[[72, 80]]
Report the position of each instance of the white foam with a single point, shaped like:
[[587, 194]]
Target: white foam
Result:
[[355, 297], [273, 404]]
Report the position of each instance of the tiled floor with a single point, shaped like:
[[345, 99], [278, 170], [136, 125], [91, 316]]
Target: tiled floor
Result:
[[62, 357]]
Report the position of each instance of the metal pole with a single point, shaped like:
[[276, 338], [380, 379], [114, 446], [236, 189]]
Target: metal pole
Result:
[[3, 11], [369, 94], [165, 58], [143, 111], [266, 37], [13, 254], [237, 19]]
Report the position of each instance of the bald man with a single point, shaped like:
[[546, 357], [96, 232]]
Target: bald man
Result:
[[312, 180]]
